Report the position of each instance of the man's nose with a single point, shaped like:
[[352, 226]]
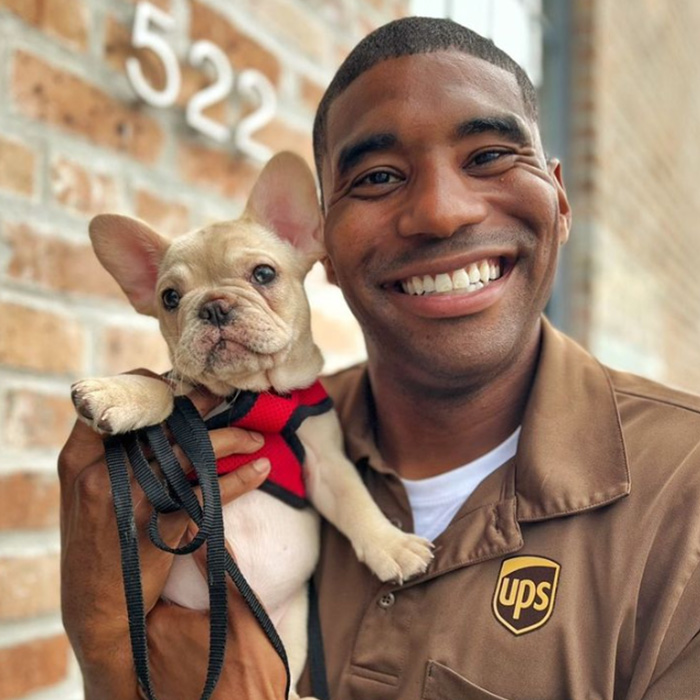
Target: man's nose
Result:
[[441, 200]]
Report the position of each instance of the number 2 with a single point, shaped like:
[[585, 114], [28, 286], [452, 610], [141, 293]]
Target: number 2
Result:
[[199, 53]]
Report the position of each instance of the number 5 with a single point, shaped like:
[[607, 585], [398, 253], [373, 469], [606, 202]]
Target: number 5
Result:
[[144, 37]]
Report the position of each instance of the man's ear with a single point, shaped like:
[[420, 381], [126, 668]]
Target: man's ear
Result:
[[554, 166], [131, 251], [284, 200], [330, 270]]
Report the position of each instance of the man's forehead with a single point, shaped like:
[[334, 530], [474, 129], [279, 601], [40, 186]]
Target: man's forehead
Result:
[[430, 82]]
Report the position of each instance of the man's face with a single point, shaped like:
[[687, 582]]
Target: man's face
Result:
[[434, 177]]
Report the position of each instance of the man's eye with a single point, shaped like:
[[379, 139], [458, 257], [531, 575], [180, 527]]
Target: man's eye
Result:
[[378, 177], [488, 157]]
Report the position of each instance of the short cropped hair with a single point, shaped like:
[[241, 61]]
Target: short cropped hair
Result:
[[406, 37]]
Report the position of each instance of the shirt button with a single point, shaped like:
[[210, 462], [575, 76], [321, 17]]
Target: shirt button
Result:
[[386, 601], [396, 522]]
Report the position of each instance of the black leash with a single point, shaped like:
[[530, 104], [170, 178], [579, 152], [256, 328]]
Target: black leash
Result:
[[316, 657], [177, 494]]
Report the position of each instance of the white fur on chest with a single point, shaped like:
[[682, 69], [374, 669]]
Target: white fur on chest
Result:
[[275, 546]]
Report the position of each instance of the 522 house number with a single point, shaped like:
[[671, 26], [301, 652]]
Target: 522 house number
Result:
[[249, 83]]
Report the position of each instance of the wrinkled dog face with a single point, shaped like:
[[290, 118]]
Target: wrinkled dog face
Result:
[[229, 297], [231, 301]]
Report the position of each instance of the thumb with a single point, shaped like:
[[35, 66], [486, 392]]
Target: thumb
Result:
[[244, 479]]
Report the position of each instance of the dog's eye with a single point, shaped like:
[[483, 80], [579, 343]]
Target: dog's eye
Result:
[[264, 274], [171, 299]]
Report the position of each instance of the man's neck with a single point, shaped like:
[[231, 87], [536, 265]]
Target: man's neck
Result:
[[422, 433]]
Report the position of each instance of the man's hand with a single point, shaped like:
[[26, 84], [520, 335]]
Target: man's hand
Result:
[[92, 594], [178, 642]]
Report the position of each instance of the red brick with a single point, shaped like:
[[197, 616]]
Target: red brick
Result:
[[28, 10], [311, 93], [280, 137], [40, 340], [17, 167], [30, 586], [124, 350], [33, 665], [42, 91], [242, 51], [118, 48], [295, 25], [57, 264], [219, 171], [66, 20], [163, 4], [36, 420], [29, 501], [79, 189], [167, 217]]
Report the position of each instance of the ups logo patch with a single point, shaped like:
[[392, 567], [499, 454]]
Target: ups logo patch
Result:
[[525, 591]]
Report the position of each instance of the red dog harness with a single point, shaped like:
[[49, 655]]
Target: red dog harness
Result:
[[277, 417]]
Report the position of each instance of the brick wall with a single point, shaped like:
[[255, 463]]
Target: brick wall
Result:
[[635, 162], [75, 141]]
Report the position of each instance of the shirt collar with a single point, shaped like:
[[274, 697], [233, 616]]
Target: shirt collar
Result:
[[571, 455]]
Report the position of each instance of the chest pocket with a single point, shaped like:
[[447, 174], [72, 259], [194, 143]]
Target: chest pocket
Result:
[[442, 683]]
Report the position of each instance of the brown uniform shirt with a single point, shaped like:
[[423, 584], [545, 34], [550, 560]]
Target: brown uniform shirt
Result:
[[571, 573]]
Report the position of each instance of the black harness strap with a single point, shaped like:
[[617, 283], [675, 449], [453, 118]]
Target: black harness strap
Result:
[[177, 494]]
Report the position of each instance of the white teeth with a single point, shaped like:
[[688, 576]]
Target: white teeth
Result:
[[443, 283], [470, 279], [484, 271], [460, 279]]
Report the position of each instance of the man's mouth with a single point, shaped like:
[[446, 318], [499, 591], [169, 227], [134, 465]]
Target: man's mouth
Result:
[[469, 279]]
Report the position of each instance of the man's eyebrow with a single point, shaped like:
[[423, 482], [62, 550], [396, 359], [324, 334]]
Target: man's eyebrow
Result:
[[354, 152], [507, 126]]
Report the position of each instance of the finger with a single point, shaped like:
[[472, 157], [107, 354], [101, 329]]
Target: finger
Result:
[[228, 441], [238, 482], [82, 449], [244, 479]]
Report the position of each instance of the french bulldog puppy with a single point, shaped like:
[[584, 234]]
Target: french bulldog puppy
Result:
[[232, 308]]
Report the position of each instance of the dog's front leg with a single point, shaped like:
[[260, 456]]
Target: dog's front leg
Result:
[[125, 402], [337, 492]]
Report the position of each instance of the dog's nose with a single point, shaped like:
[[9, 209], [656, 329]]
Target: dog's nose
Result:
[[216, 312]]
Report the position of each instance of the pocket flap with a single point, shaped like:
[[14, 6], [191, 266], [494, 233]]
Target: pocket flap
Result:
[[442, 683]]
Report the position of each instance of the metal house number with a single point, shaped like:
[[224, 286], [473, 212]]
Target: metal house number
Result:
[[249, 83]]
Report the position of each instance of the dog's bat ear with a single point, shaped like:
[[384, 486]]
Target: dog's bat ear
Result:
[[284, 199], [131, 252]]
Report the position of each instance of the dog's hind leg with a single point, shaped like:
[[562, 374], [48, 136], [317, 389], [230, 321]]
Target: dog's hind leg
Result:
[[292, 629]]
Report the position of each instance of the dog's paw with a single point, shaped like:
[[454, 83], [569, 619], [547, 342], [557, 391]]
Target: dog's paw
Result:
[[393, 555], [116, 405], [96, 401]]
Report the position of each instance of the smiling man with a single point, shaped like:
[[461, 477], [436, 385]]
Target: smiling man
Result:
[[563, 497]]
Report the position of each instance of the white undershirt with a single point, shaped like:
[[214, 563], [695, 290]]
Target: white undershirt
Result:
[[436, 500]]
